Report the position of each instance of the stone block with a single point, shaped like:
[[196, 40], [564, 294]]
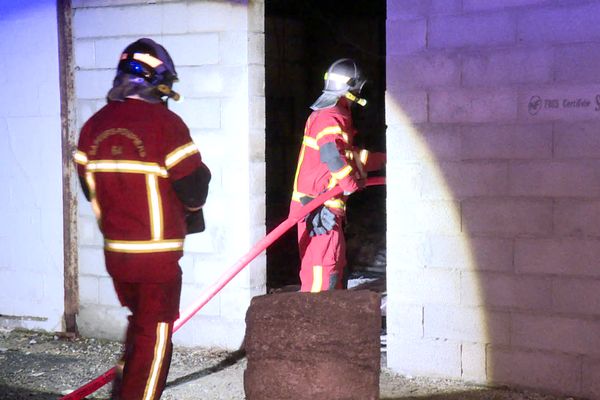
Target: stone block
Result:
[[107, 295], [412, 9], [405, 37], [459, 31], [489, 5], [574, 257], [108, 50], [85, 21], [217, 16], [507, 216], [473, 362], [498, 68], [84, 53], [427, 286], [200, 113], [568, 335], [577, 63], [424, 357], [466, 179], [472, 324], [421, 216], [420, 71], [406, 321], [576, 296], [88, 289], [590, 385], [577, 218], [207, 45], [313, 346], [407, 251], [577, 140], [469, 253], [575, 23], [429, 142], [507, 141], [548, 371], [93, 84], [405, 107], [472, 106], [91, 262], [507, 291], [550, 178]]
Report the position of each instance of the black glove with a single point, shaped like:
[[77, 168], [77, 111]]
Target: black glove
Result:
[[320, 221], [194, 221]]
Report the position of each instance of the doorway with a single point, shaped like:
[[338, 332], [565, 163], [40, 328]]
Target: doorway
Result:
[[302, 38]]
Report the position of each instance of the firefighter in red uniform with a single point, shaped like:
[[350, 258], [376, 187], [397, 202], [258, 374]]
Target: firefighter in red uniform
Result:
[[328, 158], [147, 184]]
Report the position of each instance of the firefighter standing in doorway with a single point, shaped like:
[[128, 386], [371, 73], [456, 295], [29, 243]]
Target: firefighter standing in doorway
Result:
[[328, 158], [147, 184]]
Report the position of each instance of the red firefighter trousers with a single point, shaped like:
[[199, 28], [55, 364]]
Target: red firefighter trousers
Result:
[[323, 258], [148, 348]]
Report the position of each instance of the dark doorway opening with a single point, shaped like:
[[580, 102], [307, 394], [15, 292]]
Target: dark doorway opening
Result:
[[302, 38]]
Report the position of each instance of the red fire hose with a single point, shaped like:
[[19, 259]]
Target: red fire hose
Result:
[[224, 279]]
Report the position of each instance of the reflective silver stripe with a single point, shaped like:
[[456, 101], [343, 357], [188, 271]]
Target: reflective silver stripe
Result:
[[91, 182], [143, 246], [179, 154], [148, 59], [332, 76], [162, 330], [155, 207], [135, 167], [80, 157]]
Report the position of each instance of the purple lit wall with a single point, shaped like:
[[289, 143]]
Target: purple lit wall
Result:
[[493, 112]]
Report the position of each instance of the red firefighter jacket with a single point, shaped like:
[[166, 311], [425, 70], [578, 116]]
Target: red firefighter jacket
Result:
[[129, 153], [328, 158]]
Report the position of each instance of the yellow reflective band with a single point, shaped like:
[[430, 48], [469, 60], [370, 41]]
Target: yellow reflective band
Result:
[[317, 283], [342, 173], [364, 156], [143, 246], [336, 203], [155, 207], [358, 100], [310, 142], [148, 59], [300, 160], [332, 130], [160, 349], [136, 167], [91, 182], [80, 157], [336, 77], [179, 154]]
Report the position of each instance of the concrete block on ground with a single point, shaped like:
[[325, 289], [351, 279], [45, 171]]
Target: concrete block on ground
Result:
[[313, 346]]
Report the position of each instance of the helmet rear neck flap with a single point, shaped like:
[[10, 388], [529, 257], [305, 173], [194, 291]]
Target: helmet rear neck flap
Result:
[[145, 70], [342, 79]]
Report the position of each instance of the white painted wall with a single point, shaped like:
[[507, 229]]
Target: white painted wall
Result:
[[31, 241], [493, 238], [217, 47]]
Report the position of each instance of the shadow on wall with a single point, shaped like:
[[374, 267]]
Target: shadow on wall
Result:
[[498, 264]]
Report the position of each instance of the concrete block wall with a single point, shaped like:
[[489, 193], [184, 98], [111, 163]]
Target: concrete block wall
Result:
[[31, 222], [493, 112], [218, 50]]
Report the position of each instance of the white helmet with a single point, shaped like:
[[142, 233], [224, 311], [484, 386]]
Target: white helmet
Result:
[[343, 78]]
